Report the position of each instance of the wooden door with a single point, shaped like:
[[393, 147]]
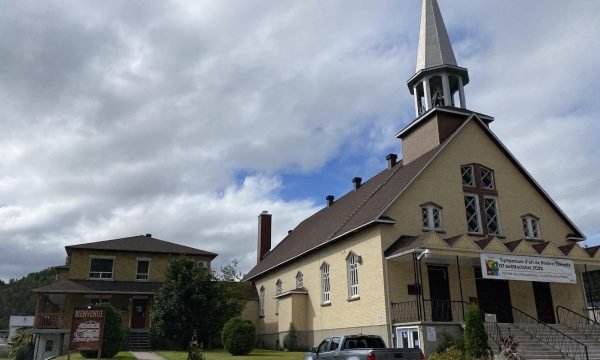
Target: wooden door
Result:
[[543, 302], [138, 316], [439, 293]]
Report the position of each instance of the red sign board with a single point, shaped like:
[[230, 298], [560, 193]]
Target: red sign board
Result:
[[87, 329]]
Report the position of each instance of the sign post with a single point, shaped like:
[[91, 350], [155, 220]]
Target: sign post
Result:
[[87, 329], [527, 268]]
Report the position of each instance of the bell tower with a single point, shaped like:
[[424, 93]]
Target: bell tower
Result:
[[438, 81]]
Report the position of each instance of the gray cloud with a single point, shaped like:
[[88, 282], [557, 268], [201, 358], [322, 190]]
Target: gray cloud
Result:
[[122, 118]]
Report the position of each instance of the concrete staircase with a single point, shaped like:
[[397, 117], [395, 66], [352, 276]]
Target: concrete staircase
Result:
[[138, 341], [533, 349], [530, 349]]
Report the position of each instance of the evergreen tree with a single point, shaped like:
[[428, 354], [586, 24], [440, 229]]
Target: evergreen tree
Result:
[[476, 340]]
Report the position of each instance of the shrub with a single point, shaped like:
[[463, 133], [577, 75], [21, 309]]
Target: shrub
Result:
[[113, 334], [238, 336], [476, 340], [22, 345], [195, 351], [291, 339], [451, 353]]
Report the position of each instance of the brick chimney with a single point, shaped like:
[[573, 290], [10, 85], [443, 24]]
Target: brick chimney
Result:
[[357, 181], [264, 235], [391, 160], [330, 199]]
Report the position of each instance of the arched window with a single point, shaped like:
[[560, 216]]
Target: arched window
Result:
[[352, 262], [261, 302], [431, 216], [299, 280], [325, 284], [278, 291], [531, 227]]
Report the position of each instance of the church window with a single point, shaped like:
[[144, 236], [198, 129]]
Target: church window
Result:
[[491, 215], [352, 262], [468, 178], [431, 217], [278, 291], [325, 284], [531, 227], [472, 213], [261, 302], [487, 178], [299, 280]]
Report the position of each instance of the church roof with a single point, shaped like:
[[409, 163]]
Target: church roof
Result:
[[365, 207], [435, 48], [141, 243]]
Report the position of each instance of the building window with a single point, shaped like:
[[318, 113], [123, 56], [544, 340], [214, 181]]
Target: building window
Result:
[[467, 173], [101, 268], [49, 346], [431, 217], [278, 291], [491, 215], [352, 263], [531, 227], [299, 280], [472, 212], [261, 302], [487, 178], [143, 270], [325, 284]]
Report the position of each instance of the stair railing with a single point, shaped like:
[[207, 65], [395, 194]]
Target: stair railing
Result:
[[576, 321], [563, 343], [494, 333]]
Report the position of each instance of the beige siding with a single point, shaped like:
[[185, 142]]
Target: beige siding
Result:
[[420, 141], [124, 265]]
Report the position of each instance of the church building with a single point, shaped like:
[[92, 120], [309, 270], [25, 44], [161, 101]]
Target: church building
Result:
[[457, 220]]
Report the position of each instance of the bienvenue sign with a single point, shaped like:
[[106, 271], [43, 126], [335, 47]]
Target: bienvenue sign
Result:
[[527, 268], [87, 328]]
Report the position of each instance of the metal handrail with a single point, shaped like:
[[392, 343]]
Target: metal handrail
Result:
[[576, 321], [429, 310], [560, 341], [405, 311], [494, 333]]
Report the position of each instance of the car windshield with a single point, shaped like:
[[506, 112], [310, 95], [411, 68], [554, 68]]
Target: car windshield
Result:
[[363, 342]]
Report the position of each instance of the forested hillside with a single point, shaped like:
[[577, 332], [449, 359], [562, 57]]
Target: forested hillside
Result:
[[16, 297]]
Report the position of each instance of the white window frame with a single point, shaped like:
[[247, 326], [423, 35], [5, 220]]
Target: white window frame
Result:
[[141, 276], [261, 302], [473, 181], [497, 207], [528, 227], [278, 291], [491, 172], [478, 210], [299, 280], [430, 208], [352, 262], [325, 284], [112, 271]]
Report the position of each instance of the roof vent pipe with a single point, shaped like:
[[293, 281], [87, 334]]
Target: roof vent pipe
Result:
[[357, 182], [148, 235], [329, 199], [391, 159]]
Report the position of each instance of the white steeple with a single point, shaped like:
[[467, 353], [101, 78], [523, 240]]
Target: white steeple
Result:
[[438, 78]]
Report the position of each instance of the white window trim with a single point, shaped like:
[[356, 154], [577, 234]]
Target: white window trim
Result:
[[278, 291], [529, 219], [498, 219], [104, 257], [481, 168], [137, 274], [353, 278], [261, 302], [430, 222], [325, 284], [478, 212], [473, 181]]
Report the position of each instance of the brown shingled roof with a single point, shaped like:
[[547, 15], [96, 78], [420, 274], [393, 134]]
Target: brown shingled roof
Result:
[[100, 287], [354, 211], [592, 250], [142, 243]]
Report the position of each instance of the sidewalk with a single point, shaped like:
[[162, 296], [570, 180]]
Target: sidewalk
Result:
[[144, 355]]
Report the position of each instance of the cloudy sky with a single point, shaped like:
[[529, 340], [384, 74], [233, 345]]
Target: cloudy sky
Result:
[[185, 119]]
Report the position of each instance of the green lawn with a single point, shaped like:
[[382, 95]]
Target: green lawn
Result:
[[123, 355], [222, 355]]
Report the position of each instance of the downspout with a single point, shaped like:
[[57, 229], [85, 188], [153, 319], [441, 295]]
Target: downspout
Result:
[[417, 287]]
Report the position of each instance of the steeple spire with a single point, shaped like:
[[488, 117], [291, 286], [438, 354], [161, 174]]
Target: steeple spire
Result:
[[434, 44], [438, 78]]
